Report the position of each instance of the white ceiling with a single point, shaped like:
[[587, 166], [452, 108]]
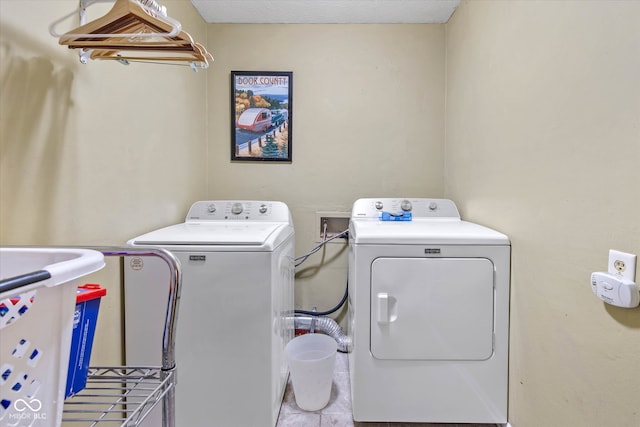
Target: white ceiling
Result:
[[326, 11]]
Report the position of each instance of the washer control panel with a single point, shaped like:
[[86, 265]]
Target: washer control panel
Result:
[[377, 208], [238, 210]]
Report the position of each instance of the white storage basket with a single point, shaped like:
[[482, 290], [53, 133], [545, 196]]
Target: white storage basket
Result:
[[36, 321]]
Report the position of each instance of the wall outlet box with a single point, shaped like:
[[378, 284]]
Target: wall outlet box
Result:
[[331, 224], [622, 264]]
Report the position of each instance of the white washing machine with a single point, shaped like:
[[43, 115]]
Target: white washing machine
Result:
[[428, 314], [235, 314]]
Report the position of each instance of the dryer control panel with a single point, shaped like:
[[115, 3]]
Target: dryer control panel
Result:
[[380, 208], [238, 210]]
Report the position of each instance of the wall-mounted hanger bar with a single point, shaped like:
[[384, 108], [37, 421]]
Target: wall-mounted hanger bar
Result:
[[125, 60]]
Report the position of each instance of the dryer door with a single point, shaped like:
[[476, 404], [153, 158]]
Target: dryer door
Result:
[[432, 308]]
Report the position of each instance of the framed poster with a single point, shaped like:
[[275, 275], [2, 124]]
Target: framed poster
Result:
[[261, 116]]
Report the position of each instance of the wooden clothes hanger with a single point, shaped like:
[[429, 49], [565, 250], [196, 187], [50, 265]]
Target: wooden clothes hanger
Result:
[[145, 37], [130, 26], [125, 15], [200, 57]]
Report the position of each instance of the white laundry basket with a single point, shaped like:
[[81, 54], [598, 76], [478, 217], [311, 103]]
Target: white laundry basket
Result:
[[36, 320]]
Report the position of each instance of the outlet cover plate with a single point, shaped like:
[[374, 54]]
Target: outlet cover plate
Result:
[[622, 264]]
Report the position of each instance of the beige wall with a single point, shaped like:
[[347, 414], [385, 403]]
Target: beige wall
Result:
[[543, 143], [94, 154], [368, 120]]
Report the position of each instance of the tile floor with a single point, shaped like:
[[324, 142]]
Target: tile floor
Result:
[[338, 412]]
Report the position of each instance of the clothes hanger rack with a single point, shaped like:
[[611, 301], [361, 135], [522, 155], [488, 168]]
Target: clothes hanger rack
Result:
[[122, 13], [140, 26]]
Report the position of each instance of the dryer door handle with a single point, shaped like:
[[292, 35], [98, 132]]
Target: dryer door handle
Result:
[[383, 307], [387, 308]]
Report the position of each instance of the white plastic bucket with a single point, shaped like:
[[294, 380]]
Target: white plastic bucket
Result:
[[311, 360]]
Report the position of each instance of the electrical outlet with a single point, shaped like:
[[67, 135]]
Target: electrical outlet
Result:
[[331, 224], [622, 264]]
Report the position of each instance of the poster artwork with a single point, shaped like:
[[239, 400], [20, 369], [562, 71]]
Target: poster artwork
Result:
[[261, 116]]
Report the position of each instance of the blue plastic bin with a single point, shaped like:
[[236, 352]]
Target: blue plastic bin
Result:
[[84, 328]]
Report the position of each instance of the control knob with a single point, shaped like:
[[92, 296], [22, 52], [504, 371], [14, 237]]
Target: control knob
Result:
[[236, 208], [433, 206], [379, 205], [211, 208], [263, 209], [405, 205]]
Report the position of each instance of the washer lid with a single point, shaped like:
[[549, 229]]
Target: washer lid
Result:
[[424, 231], [265, 235]]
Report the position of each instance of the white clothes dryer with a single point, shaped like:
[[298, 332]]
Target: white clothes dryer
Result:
[[235, 314], [428, 314]]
